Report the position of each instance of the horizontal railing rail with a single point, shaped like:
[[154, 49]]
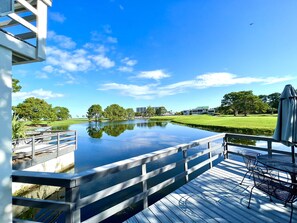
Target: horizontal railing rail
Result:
[[50, 144], [244, 142], [188, 162]]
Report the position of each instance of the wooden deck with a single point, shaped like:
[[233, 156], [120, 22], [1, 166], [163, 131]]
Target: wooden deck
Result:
[[216, 196]]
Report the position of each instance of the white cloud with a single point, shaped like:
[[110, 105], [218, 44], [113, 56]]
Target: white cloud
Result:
[[61, 40], [125, 69], [48, 69], [39, 93], [141, 92], [154, 74], [103, 61], [129, 62], [203, 81], [56, 16], [70, 61]]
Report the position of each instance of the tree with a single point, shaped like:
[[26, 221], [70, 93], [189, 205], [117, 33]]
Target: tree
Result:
[[62, 113], [251, 103], [130, 113], [115, 112], [94, 112], [242, 101], [273, 101], [150, 111], [18, 128], [15, 85], [35, 110], [231, 102], [161, 111]]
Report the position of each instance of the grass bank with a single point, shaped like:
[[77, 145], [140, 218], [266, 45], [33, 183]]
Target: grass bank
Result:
[[63, 122], [252, 124]]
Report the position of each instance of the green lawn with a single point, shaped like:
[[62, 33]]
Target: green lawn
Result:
[[64, 122], [252, 124]]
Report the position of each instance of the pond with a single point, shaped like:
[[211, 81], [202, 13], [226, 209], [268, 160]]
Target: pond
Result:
[[101, 143]]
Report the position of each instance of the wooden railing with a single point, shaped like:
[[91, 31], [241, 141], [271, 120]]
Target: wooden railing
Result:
[[45, 146], [189, 158], [210, 150], [235, 143]]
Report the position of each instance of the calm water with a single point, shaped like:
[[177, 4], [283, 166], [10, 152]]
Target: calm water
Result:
[[104, 143]]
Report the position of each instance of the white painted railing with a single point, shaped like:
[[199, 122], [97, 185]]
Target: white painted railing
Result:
[[74, 202], [213, 147], [48, 144]]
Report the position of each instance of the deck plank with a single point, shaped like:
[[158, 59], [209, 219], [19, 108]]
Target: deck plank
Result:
[[217, 196]]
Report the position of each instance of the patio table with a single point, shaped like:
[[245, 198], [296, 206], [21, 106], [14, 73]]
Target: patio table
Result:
[[280, 162]]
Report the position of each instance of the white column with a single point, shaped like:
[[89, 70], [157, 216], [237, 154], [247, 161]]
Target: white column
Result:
[[5, 135]]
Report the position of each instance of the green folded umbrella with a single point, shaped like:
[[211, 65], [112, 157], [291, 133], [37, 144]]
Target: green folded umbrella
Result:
[[286, 127]]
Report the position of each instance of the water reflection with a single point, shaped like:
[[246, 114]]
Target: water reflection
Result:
[[96, 129]]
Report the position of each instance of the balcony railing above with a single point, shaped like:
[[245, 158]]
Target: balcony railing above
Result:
[[23, 30]]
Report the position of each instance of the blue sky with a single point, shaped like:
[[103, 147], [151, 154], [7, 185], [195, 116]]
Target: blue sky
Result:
[[174, 53]]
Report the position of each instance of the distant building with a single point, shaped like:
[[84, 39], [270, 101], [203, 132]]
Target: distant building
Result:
[[199, 111], [141, 110]]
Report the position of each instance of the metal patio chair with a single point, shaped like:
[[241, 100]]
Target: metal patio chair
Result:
[[274, 186], [250, 160]]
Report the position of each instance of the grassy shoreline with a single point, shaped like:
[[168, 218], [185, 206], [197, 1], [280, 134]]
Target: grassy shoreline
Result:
[[253, 124], [63, 122]]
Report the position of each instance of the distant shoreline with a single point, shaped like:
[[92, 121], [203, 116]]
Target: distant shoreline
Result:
[[252, 125]]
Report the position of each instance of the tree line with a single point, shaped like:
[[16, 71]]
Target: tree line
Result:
[[116, 112], [245, 102], [36, 110]]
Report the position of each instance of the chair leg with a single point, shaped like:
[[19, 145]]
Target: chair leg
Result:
[[291, 212], [250, 197], [244, 177]]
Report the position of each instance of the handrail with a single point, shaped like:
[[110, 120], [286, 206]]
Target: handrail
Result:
[[54, 143], [73, 182]]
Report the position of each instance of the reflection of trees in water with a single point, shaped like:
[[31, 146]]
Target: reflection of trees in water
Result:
[[152, 124], [95, 129], [243, 141], [115, 129]]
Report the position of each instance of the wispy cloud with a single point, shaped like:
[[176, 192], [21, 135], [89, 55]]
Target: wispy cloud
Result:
[[151, 91], [56, 16], [129, 62], [153, 74], [103, 61], [125, 69], [39, 93], [63, 41], [128, 65], [65, 57]]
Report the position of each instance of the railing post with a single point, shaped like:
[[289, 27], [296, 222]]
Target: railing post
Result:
[[226, 155], [72, 195], [75, 139], [269, 147], [33, 147], [58, 143], [144, 186], [185, 156], [209, 154]]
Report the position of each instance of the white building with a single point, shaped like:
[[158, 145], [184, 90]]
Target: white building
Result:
[[199, 111]]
